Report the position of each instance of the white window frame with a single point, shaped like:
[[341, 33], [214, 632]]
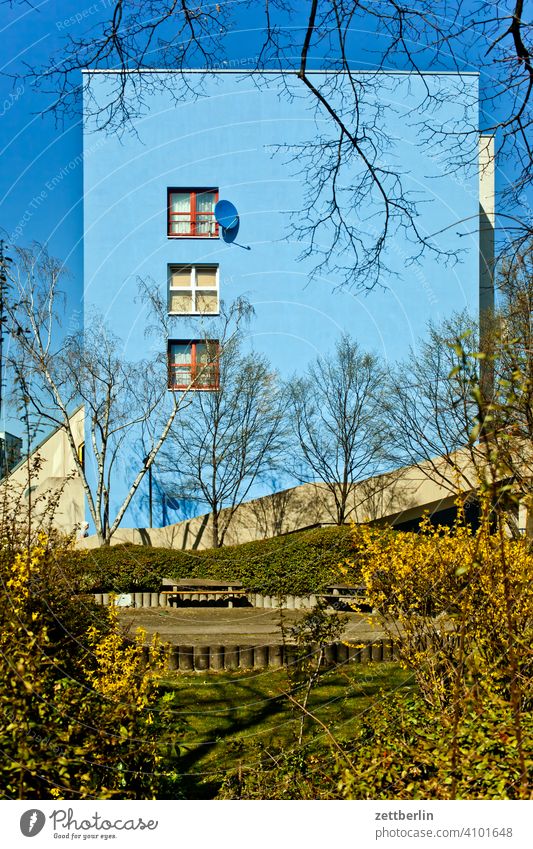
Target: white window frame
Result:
[[193, 289]]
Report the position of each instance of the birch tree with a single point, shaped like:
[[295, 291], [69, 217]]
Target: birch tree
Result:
[[121, 397]]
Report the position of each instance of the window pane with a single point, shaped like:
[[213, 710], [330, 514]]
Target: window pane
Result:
[[206, 277], [180, 352], [180, 277], [180, 357], [180, 302], [205, 206], [207, 377], [180, 375], [201, 353], [206, 365], [180, 201], [205, 352], [205, 225], [180, 226], [205, 202], [180, 214], [206, 302]]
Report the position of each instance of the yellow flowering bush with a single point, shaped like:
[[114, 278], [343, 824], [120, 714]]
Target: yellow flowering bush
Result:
[[119, 672], [448, 589], [77, 701], [459, 604]]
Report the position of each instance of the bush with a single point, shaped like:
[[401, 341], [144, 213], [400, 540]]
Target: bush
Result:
[[404, 751], [77, 702], [461, 598], [401, 750], [298, 564], [281, 774], [462, 601]]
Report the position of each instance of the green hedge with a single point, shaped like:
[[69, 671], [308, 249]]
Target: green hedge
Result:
[[297, 563]]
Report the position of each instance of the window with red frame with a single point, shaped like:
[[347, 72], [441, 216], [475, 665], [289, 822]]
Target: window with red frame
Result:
[[191, 212], [193, 363]]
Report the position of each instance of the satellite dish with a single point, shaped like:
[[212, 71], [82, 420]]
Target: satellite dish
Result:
[[229, 236], [227, 218], [226, 215]]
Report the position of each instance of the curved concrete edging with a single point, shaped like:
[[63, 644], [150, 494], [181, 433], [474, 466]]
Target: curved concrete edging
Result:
[[149, 599], [218, 658]]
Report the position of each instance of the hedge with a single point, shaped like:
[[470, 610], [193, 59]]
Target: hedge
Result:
[[298, 564]]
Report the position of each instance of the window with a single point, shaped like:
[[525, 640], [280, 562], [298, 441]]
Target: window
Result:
[[193, 362], [191, 212], [192, 289]]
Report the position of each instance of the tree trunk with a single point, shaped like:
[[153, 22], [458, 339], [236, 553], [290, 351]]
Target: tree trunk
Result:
[[215, 540], [341, 499], [104, 540]]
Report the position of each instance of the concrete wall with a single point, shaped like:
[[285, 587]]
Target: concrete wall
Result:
[[395, 498], [487, 223]]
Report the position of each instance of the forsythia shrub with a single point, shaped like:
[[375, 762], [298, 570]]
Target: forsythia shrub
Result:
[[77, 717], [459, 603], [445, 590], [404, 751]]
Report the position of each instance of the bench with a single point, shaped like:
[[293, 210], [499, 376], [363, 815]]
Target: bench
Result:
[[199, 589], [346, 597]]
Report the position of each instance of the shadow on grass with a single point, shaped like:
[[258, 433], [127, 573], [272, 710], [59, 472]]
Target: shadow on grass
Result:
[[215, 717]]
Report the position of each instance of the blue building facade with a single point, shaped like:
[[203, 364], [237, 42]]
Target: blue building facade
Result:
[[149, 197]]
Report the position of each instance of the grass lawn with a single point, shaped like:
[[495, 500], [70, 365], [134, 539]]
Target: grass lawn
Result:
[[215, 716]]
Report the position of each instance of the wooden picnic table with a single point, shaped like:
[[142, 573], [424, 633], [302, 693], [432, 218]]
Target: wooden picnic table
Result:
[[346, 595], [339, 596], [202, 589]]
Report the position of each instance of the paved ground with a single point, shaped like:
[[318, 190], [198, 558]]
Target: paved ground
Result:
[[240, 626]]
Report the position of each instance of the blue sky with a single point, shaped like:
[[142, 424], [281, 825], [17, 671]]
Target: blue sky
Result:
[[33, 151]]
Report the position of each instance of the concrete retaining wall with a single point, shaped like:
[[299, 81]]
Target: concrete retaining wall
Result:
[[217, 658]]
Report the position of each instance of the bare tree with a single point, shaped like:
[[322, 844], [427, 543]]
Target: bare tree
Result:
[[229, 438], [429, 411], [341, 36], [336, 417], [464, 427], [122, 398], [504, 420]]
